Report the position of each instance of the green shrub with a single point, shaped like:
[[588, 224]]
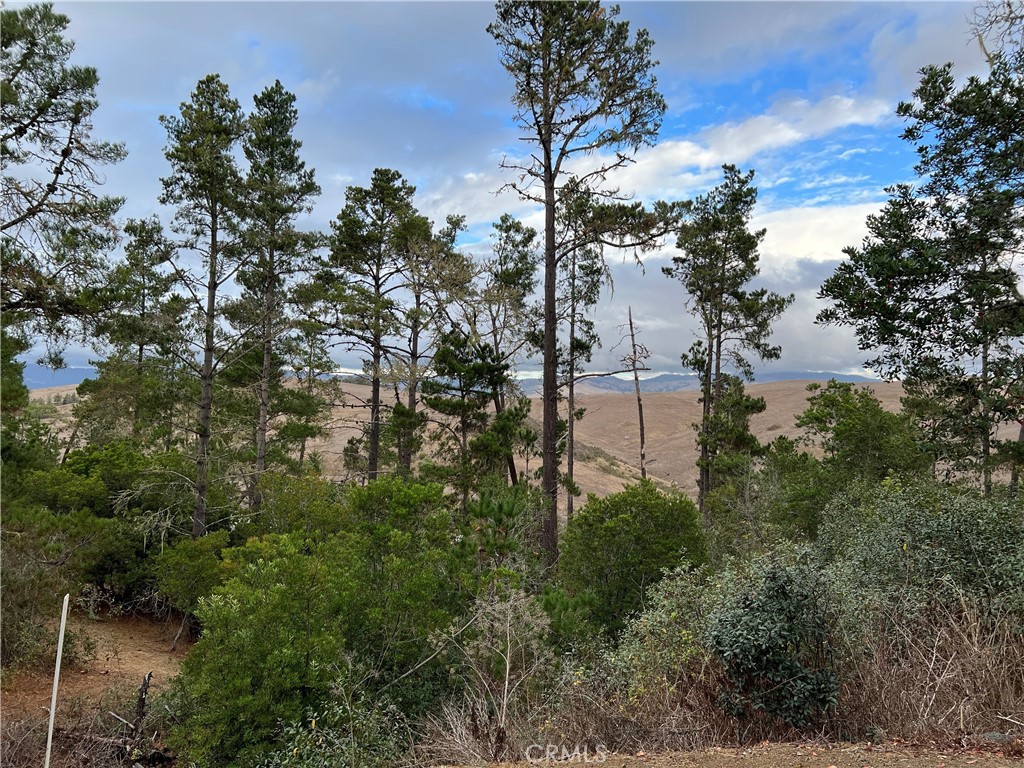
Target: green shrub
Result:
[[270, 636], [117, 464], [296, 606], [773, 635], [861, 440], [617, 547], [45, 556], [921, 544], [357, 732], [189, 571], [64, 491], [307, 504]]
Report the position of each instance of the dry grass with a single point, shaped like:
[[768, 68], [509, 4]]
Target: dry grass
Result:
[[951, 674], [90, 734]]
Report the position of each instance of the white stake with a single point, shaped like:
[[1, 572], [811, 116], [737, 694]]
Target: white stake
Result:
[[56, 679]]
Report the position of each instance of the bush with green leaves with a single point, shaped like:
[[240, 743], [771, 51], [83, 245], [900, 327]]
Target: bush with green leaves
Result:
[[270, 636], [615, 548], [306, 503], [912, 546], [861, 440], [415, 579], [296, 606], [657, 687], [189, 571], [773, 634], [350, 731]]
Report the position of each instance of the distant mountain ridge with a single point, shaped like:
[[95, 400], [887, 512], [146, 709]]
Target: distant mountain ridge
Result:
[[678, 382], [38, 376]]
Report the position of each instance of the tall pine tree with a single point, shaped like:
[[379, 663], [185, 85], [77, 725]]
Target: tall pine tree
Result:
[[719, 259]]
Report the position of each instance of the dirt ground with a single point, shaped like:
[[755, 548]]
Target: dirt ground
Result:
[[126, 650], [799, 756]]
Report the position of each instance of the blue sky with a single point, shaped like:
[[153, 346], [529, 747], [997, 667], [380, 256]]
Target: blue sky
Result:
[[804, 93]]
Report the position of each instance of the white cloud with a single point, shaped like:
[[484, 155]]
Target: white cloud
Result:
[[816, 234]]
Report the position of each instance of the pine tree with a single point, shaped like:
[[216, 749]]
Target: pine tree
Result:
[[206, 187], [582, 84], [934, 288], [55, 229], [719, 259], [279, 188]]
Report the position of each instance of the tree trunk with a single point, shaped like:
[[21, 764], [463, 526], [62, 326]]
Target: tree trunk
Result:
[[256, 499], [549, 430], [570, 440], [373, 448], [499, 408], [309, 391], [206, 393], [140, 356], [405, 437], [704, 480], [639, 401], [986, 410], [1015, 465]]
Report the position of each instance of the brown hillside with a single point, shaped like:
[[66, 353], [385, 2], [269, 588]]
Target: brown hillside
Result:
[[607, 437], [608, 440], [610, 424]]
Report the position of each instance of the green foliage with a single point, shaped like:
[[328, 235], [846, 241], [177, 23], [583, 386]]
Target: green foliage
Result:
[[190, 570], [46, 555], [26, 442], [13, 392], [356, 732], [933, 288], [371, 585], [615, 548], [601, 102], [206, 188], [719, 259], [64, 491], [55, 227], [501, 530], [796, 489], [469, 380], [34, 571], [918, 545], [785, 493], [861, 440], [270, 636], [413, 577], [355, 294], [658, 643], [301, 504], [89, 479], [773, 635]]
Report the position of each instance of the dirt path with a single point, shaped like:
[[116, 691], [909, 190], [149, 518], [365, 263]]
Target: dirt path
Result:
[[126, 650], [792, 756]]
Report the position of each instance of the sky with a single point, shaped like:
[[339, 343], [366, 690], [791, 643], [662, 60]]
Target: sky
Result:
[[803, 93]]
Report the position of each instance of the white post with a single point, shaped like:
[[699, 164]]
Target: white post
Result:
[[56, 679]]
